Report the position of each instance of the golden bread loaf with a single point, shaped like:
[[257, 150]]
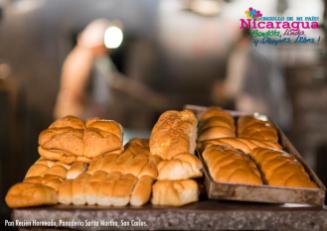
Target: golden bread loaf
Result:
[[174, 133], [230, 165], [30, 194], [181, 166], [51, 181], [106, 189], [254, 128], [281, 169], [216, 123], [244, 144], [135, 160], [43, 167], [142, 191], [70, 139], [174, 192]]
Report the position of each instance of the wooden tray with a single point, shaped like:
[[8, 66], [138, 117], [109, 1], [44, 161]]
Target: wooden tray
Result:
[[264, 193]]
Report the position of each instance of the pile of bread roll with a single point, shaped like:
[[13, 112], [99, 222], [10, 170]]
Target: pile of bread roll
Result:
[[173, 138], [85, 162], [246, 151]]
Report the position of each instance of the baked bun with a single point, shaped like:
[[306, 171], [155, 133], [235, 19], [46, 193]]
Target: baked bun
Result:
[[135, 160], [43, 167], [105, 189], [174, 192], [70, 139], [230, 165], [244, 144], [216, 123], [142, 191], [181, 166], [51, 181], [27, 194], [173, 134], [255, 128], [281, 168]]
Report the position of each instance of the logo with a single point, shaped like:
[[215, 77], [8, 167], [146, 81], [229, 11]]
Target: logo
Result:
[[253, 14], [276, 30]]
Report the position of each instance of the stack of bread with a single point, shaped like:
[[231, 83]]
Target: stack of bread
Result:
[[115, 179], [249, 153], [66, 148], [173, 138], [85, 162]]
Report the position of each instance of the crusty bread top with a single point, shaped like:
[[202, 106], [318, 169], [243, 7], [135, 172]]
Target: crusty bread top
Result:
[[217, 112], [70, 136], [281, 168], [230, 165], [174, 133]]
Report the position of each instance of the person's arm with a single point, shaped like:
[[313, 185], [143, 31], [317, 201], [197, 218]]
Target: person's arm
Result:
[[75, 74]]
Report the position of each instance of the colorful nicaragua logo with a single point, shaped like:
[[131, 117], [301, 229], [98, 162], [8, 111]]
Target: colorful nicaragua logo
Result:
[[277, 30], [253, 14]]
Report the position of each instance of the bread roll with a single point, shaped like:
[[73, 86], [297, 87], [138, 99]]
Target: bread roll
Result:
[[281, 168], [70, 139], [135, 160], [65, 194], [93, 185], [51, 181], [216, 123], [102, 136], [173, 134], [230, 165], [174, 192], [254, 128], [45, 167], [142, 191], [137, 146], [101, 188], [76, 169], [27, 194], [244, 144], [181, 166]]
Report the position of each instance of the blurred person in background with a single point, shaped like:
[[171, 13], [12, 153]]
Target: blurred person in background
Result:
[[89, 79], [254, 82]]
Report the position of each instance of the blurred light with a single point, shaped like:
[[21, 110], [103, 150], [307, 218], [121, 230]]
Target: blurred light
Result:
[[24, 6], [113, 37], [206, 7], [5, 70]]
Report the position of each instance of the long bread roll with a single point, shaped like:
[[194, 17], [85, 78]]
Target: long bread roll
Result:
[[216, 123], [173, 134], [174, 193], [281, 168], [244, 144], [230, 165], [255, 128]]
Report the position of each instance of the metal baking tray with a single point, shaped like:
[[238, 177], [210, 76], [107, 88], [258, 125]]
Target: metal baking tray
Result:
[[264, 193]]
